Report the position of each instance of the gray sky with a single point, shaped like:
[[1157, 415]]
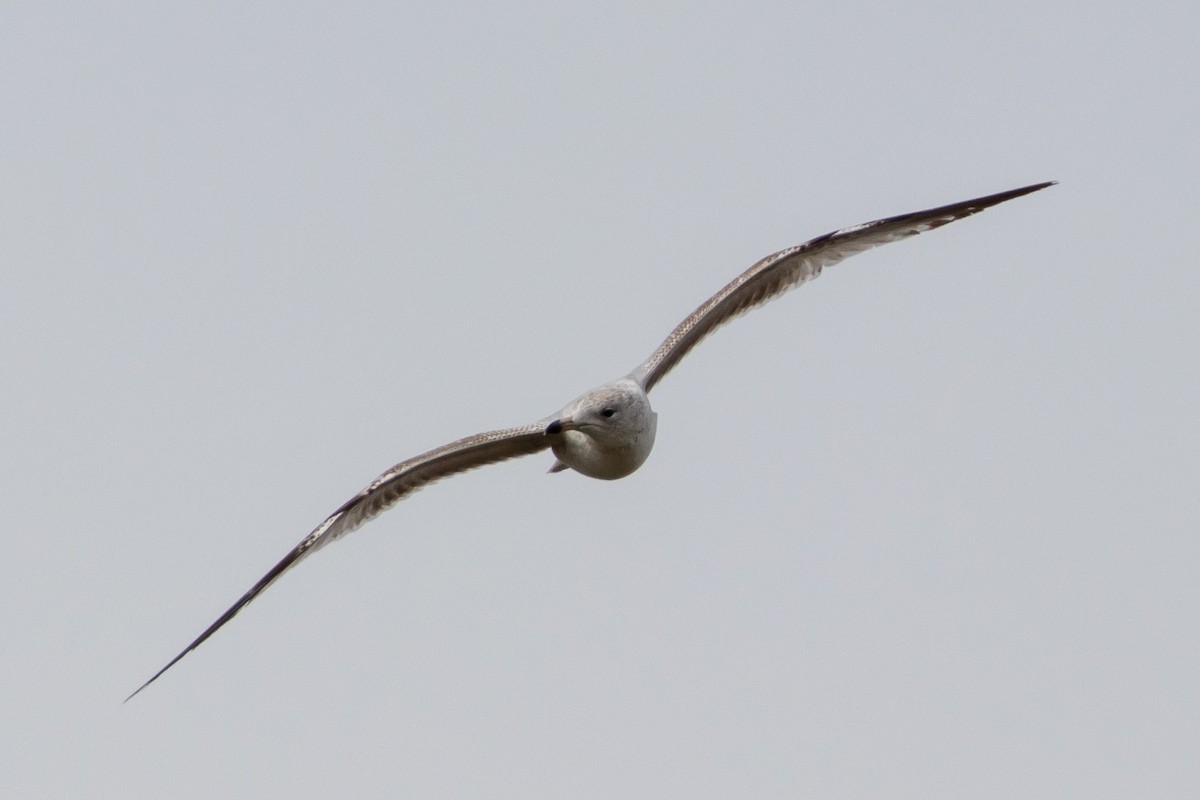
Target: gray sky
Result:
[[926, 527]]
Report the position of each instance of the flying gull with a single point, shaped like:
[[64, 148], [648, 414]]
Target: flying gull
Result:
[[608, 432]]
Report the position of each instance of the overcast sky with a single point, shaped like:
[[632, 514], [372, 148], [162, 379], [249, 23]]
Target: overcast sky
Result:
[[925, 528]]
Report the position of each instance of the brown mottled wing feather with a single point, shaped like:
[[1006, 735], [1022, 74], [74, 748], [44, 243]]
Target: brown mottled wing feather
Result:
[[779, 272], [383, 492]]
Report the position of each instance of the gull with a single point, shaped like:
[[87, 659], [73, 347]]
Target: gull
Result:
[[608, 432]]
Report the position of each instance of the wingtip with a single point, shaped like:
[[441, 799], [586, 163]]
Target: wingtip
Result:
[[980, 203], [1037, 187], [1033, 187], [136, 691]]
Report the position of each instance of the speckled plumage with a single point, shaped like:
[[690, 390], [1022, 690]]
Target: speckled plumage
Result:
[[608, 432]]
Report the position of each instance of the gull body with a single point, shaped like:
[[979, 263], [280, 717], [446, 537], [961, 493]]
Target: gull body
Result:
[[605, 433], [608, 432]]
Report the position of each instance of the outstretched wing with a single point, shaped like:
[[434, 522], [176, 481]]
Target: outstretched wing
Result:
[[779, 272], [383, 492]]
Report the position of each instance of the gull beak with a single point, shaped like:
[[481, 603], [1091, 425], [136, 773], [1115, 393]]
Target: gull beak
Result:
[[560, 425]]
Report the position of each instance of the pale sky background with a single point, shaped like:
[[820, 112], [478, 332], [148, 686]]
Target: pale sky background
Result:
[[924, 528]]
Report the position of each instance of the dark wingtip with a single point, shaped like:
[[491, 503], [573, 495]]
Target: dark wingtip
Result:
[[943, 215], [135, 692], [1000, 197], [1034, 188], [291, 558], [171, 663]]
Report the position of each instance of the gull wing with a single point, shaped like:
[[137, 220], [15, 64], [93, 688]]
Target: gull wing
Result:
[[382, 493], [787, 269]]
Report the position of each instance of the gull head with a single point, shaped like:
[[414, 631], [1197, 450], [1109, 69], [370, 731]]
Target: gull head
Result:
[[606, 433]]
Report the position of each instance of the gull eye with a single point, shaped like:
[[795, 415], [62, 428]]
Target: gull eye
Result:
[[607, 411]]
